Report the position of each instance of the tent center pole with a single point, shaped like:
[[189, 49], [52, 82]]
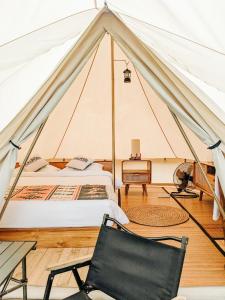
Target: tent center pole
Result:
[[199, 163], [21, 168], [113, 115]]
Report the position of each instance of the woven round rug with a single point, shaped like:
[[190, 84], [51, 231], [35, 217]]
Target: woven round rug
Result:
[[157, 215]]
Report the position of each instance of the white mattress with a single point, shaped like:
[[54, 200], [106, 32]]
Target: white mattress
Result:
[[62, 213]]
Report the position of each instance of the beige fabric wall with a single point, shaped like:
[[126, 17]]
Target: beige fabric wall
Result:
[[89, 132]]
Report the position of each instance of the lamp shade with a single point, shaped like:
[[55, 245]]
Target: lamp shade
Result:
[[135, 147]]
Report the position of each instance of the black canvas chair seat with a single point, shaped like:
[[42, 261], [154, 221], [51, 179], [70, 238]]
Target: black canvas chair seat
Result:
[[126, 266]]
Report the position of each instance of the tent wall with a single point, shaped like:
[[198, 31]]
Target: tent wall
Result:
[[89, 132]]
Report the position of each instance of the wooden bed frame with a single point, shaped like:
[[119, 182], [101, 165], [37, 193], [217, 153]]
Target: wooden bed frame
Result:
[[66, 237]]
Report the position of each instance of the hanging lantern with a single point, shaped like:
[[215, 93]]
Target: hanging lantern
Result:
[[127, 75]]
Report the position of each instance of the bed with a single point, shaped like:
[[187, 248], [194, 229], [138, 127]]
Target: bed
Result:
[[60, 223], [61, 214]]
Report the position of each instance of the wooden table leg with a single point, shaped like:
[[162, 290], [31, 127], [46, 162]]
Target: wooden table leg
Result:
[[144, 189], [201, 195], [119, 198], [127, 189]]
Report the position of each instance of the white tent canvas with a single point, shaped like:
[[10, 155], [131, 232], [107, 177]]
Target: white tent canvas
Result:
[[81, 122], [43, 72]]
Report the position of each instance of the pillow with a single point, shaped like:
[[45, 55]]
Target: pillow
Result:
[[35, 163], [92, 167], [79, 163], [49, 168], [95, 167]]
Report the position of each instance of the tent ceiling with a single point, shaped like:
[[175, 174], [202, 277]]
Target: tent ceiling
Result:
[[89, 121]]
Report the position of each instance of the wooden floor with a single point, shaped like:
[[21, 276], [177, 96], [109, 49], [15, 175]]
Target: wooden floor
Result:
[[221, 243], [204, 264], [202, 211]]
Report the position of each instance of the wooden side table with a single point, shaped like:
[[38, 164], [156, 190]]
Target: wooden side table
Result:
[[136, 172]]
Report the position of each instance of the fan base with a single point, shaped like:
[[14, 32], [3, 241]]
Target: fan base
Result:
[[188, 194]]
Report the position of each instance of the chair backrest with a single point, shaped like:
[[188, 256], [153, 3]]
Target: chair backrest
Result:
[[130, 267]]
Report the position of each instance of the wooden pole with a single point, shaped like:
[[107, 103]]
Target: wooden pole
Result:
[[199, 163], [113, 116], [21, 168]]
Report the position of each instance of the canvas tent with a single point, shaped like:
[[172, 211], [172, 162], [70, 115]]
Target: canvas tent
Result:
[[39, 68]]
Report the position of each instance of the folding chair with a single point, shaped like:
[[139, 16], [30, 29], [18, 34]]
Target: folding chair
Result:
[[127, 266]]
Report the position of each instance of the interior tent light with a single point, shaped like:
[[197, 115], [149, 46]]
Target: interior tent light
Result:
[[126, 72], [127, 75]]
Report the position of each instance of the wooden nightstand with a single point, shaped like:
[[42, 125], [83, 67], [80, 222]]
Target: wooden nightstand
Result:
[[136, 172]]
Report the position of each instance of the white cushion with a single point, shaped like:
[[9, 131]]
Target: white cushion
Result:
[[49, 168], [94, 167], [35, 164], [79, 163]]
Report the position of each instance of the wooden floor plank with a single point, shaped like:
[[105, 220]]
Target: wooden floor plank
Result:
[[221, 243], [40, 274], [53, 237]]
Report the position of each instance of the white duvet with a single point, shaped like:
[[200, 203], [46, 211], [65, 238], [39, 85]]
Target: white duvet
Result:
[[62, 213]]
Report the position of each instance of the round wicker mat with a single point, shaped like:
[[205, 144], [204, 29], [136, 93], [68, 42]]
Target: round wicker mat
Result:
[[157, 215]]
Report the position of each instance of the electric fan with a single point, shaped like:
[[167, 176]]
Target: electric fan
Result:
[[183, 179]]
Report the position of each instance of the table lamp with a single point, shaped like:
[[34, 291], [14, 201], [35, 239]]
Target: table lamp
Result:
[[135, 149]]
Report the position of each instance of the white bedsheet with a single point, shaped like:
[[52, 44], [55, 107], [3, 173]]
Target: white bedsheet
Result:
[[62, 213]]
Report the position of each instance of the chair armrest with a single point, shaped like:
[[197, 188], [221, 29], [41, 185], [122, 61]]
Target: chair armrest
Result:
[[73, 262]]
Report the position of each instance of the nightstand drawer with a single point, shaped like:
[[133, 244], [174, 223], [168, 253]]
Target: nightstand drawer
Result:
[[136, 177]]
